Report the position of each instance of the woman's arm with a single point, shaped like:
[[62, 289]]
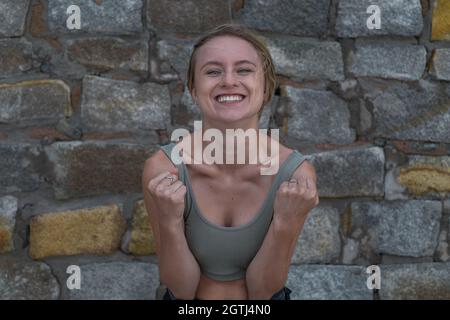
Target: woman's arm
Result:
[[267, 273], [178, 269]]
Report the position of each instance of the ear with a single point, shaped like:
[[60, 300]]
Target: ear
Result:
[[194, 94]]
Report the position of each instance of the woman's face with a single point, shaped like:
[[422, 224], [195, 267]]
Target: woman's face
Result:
[[229, 79]]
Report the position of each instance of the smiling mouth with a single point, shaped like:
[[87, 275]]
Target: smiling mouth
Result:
[[230, 99]]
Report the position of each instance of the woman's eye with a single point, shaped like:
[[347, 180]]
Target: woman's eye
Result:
[[244, 70], [213, 72]]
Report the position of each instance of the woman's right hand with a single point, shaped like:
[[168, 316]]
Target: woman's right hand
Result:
[[169, 197]]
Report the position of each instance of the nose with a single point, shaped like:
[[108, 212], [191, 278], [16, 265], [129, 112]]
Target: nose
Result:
[[229, 79]]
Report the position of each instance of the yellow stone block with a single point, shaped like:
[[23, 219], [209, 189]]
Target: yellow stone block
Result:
[[142, 240], [441, 20], [44, 84], [86, 231], [6, 241], [431, 175]]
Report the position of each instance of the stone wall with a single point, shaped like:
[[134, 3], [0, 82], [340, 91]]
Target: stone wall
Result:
[[81, 110]]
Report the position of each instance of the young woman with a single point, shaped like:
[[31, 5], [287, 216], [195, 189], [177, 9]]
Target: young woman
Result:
[[225, 231]]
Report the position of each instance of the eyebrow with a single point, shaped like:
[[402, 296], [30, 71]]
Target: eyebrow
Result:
[[218, 63]]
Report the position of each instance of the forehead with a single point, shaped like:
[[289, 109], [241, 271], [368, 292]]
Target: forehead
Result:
[[227, 48]]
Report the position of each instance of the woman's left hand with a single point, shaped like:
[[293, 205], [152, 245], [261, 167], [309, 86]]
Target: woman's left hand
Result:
[[294, 199]]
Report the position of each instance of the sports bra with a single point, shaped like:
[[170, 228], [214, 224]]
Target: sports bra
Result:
[[224, 253]]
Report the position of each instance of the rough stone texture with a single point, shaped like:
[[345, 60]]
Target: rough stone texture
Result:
[[15, 56], [424, 174], [403, 228], [388, 60], [109, 53], [401, 17], [350, 251], [85, 231], [314, 282], [192, 16], [352, 172], [440, 67], [319, 241], [419, 281], [403, 112], [8, 210], [297, 58], [318, 117], [27, 281], [118, 105], [13, 14], [117, 281], [297, 17], [108, 17], [442, 252], [142, 239], [441, 20], [96, 167], [34, 100], [177, 54], [19, 167]]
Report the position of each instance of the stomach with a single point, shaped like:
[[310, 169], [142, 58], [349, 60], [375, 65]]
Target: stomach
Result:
[[210, 289]]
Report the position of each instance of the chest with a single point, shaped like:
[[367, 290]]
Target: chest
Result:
[[228, 202]]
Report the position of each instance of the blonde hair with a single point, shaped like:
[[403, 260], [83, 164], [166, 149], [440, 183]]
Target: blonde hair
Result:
[[258, 43]]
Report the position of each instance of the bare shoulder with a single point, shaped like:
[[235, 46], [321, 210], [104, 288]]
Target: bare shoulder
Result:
[[306, 169], [157, 163]]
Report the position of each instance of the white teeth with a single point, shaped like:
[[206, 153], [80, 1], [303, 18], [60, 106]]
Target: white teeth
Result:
[[229, 98]]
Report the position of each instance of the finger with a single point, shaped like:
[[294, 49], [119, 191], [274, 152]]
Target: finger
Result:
[[293, 184], [156, 180], [172, 188], [169, 180], [180, 191], [284, 187]]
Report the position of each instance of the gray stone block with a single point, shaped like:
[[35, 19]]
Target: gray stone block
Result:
[[314, 282], [27, 281], [349, 172], [19, 167], [177, 54], [34, 101], [387, 60], [297, 17], [419, 281], [319, 241], [405, 112], [13, 14], [318, 117], [298, 58], [403, 228], [96, 167], [117, 281], [107, 17], [108, 53], [119, 105], [400, 17], [192, 16], [15, 56]]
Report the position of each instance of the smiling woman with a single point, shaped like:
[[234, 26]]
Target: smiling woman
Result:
[[223, 230]]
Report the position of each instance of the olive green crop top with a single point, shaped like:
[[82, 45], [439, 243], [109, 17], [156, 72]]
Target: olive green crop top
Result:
[[224, 253]]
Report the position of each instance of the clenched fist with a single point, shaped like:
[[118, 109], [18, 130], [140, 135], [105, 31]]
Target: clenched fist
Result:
[[168, 194], [294, 199]]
